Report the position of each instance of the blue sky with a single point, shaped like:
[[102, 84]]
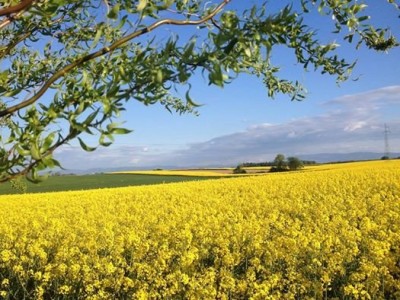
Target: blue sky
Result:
[[240, 123]]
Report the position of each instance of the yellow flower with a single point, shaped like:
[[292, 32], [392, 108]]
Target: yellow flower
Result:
[[3, 294], [5, 255], [64, 289], [5, 283], [38, 276]]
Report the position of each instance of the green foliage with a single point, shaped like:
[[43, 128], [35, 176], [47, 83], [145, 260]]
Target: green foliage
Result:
[[68, 68], [281, 164], [294, 163], [19, 185]]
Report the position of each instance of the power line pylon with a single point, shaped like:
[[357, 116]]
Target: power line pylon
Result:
[[387, 148]]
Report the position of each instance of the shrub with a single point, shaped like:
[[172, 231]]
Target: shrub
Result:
[[295, 163], [239, 170]]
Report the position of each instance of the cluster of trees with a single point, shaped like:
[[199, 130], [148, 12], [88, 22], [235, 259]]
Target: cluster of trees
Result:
[[239, 170], [272, 163], [281, 164], [387, 157], [69, 67]]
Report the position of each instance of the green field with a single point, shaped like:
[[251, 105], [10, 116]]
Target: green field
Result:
[[85, 182]]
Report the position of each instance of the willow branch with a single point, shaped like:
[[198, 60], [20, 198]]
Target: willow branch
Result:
[[24, 4], [7, 50], [61, 73], [71, 135], [5, 22], [215, 24], [22, 37], [8, 20]]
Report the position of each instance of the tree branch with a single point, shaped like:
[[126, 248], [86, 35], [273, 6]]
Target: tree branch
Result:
[[22, 37], [6, 51], [106, 50], [215, 24], [71, 135], [16, 8], [8, 20]]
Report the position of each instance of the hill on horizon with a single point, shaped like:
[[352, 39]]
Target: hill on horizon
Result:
[[318, 157]]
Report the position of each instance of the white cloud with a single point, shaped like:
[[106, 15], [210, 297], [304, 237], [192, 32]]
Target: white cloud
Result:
[[355, 125], [350, 123], [383, 96]]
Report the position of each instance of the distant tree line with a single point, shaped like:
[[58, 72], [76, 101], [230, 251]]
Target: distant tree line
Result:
[[272, 163], [279, 164]]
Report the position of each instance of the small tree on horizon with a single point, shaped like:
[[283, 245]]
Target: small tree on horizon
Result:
[[294, 163], [239, 170], [279, 164]]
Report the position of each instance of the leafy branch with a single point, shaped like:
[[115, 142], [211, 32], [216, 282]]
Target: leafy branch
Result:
[[23, 5], [104, 51]]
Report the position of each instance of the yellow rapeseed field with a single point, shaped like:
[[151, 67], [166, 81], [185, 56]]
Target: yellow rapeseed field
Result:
[[197, 173], [332, 233]]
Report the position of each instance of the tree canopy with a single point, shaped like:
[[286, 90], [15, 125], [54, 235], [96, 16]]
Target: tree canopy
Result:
[[294, 163], [279, 163], [68, 67]]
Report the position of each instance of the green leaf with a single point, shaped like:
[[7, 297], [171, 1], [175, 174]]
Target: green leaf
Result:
[[113, 14], [35, 152], [57, 163], [112, 125], [102, 141], [120, 131], [363, 18], [358, 7], [85, 79], [86, 147], [91, 117], [48, 141], [142, 5], [247, 51], [23, 152], [3, 78], [189, 50], [50, 162], [216, 76], [97, 37], [113, 88], [12, 93], [35, 178], [190, 101], [159, 76], [32, 176]]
